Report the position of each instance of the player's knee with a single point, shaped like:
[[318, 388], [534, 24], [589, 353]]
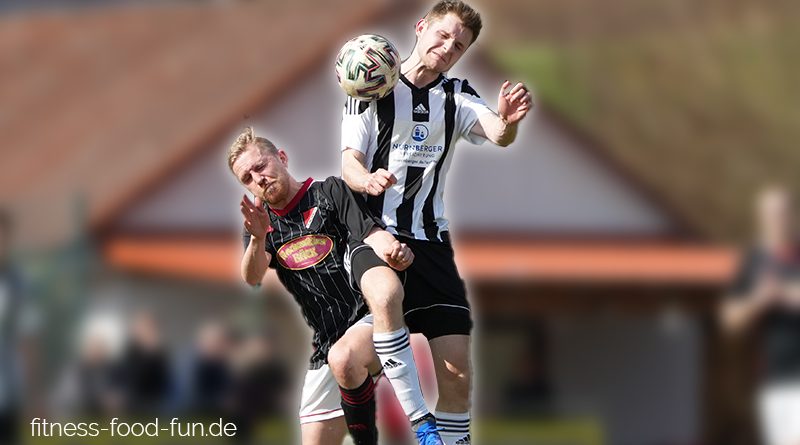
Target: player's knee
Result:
[[342, 361], [382, 289]]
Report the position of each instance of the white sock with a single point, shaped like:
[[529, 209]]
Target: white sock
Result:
[[394, 352], [454, 428]]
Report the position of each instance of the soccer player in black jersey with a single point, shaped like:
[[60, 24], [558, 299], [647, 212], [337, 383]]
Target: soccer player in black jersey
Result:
[[398, 151], [320, 241]]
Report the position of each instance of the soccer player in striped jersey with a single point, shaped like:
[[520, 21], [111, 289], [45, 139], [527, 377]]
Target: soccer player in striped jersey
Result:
[[314, 235], [397, 151]]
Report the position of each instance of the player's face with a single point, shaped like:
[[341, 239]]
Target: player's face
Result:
[[442, 41], [264, 174]]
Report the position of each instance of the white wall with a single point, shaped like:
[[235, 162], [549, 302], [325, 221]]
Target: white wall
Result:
[[544, 182]]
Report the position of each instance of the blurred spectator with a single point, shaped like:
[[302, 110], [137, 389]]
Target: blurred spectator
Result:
[[529, 391], [11, 307], [261, 384], [92, 385], [146, 367], [765, 302], [211, 374], [99, 388]]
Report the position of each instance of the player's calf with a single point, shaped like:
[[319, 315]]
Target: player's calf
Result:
[[350, 360], [454, 380]]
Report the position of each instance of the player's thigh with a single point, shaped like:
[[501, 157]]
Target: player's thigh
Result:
[[324, 432], [382, 289]]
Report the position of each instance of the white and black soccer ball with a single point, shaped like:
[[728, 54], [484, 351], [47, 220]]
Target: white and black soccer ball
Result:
[[368, 67]]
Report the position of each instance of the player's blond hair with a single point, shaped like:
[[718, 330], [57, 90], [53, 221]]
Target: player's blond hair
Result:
[[468, 16], [246, 138]]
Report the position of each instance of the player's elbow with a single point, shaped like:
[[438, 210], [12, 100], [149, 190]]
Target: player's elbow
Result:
[[504, 139], [252, 278], [503, 142], [252, 281]]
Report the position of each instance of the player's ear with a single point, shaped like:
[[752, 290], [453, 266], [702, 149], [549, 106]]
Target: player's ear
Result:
[[283, 157], [420, 27]]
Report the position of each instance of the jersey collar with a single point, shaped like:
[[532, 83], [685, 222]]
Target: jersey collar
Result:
[[293, 203], [426, 87]]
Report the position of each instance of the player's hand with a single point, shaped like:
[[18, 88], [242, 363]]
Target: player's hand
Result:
[[378, 181], [398, 256], [256, 218], [513, 104]]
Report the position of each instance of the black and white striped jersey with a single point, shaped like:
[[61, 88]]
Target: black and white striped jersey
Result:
[[310, 243], [411, 133]]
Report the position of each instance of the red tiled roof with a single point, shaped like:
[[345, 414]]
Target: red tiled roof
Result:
[[98, 103]]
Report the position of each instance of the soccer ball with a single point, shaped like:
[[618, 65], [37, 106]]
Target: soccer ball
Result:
[[368, 67]]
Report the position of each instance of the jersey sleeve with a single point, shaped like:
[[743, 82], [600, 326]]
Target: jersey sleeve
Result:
[[471, 108], [351, 209], [356, 124]]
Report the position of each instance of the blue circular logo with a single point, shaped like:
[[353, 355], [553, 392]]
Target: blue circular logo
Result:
[[420, 133]]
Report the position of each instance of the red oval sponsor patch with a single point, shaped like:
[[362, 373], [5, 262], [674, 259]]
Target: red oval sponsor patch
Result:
[[304, 252]]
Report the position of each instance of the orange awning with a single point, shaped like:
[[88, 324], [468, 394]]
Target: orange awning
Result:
[[478, 260], [629, 262]]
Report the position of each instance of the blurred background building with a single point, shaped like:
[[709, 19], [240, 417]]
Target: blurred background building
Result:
[[595, 247]]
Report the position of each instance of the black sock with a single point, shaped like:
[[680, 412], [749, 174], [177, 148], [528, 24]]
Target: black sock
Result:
[[359, 412]]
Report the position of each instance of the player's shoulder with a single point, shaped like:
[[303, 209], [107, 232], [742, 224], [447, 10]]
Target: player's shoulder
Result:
[[331, 181], [331, 185], [355, 106], [459, 86]]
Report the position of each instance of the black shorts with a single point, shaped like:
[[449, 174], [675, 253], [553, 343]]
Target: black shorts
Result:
[[362, 259], [435, 302]]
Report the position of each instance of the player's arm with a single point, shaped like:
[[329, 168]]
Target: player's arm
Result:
[[256, 259], [740, 313], [355, 174], [396, 254], [750, 298], [512, 107], [353, 213], [358, 129]]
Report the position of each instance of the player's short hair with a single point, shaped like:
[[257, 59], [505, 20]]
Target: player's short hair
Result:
[[469, 17], [245, 139]]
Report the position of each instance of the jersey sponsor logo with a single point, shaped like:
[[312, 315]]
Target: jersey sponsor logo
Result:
[[408, 149], [308, 216], [420, 132], [304, 251]]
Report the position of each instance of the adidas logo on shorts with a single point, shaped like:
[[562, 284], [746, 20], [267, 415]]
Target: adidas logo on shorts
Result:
[[391, 364], [464, 440]]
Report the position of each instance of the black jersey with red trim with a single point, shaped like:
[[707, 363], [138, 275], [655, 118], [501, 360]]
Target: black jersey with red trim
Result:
[[310, 243]]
